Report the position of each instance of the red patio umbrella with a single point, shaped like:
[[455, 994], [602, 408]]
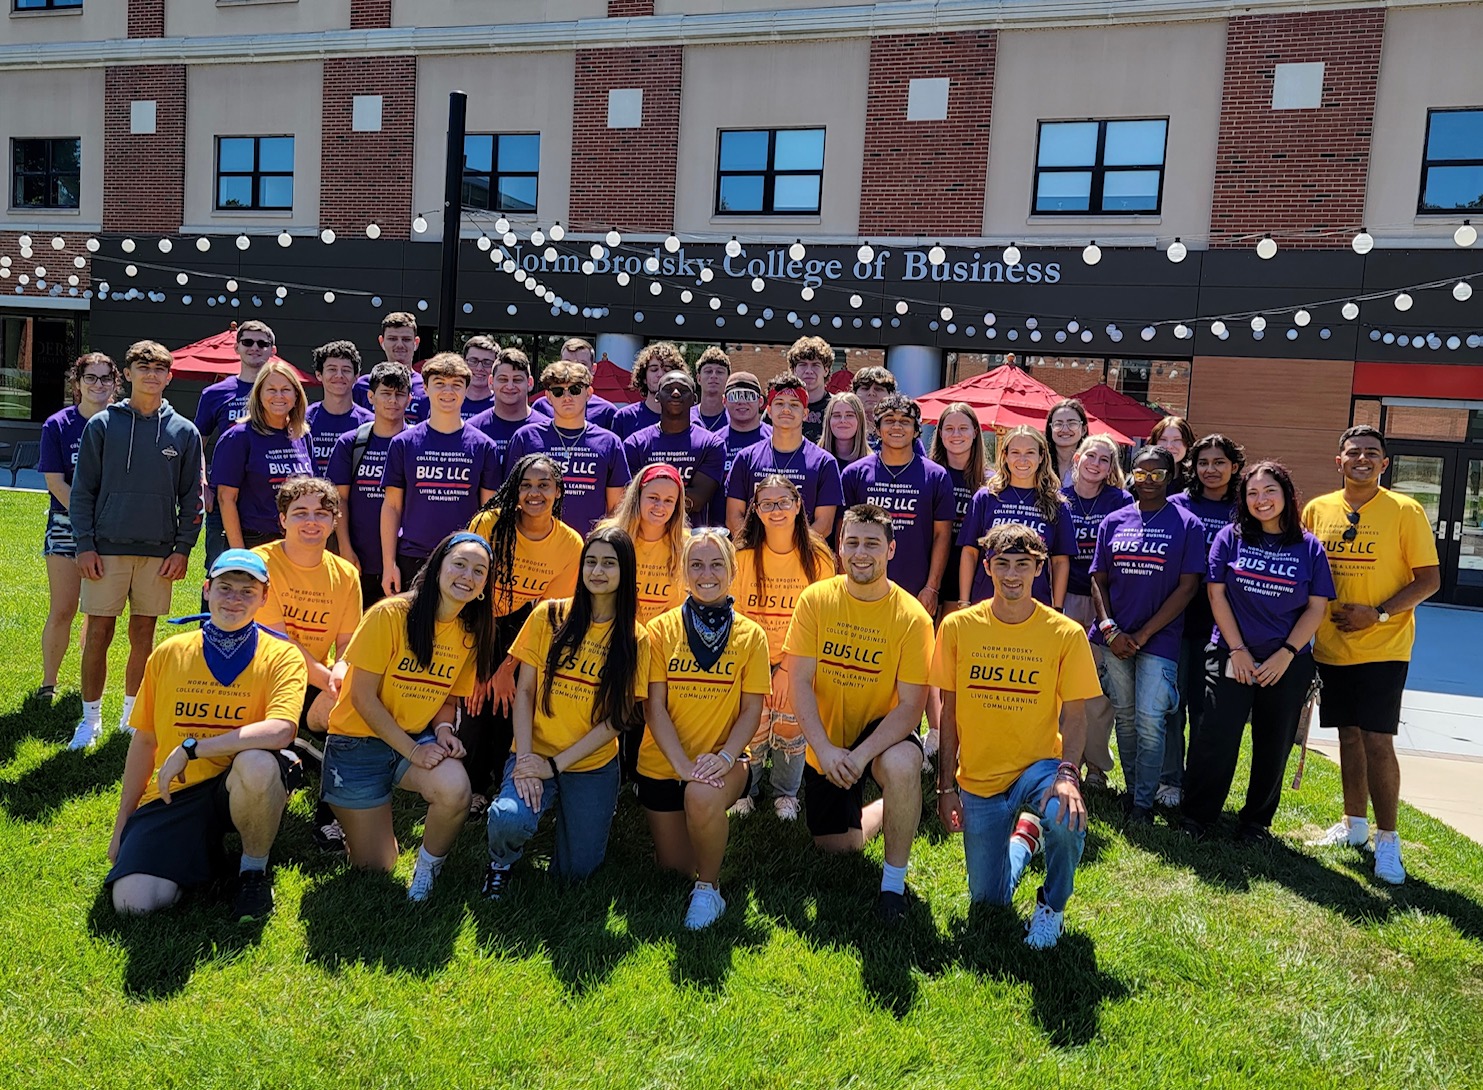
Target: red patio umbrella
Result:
[[611, 381], [216, 357], [1003, 398], [1127, 415]]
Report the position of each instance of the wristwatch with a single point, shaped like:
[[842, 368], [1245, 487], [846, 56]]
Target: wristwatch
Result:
[[189, 745], [1381, 615]]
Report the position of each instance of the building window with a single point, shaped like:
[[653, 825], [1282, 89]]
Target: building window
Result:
[[255, 173], [46, 173], [45, 5], [1099, 167], [1452, 169], [770, 172], [501, 172]]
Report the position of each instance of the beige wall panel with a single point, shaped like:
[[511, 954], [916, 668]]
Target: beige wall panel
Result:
[[1431, 57], [528, 92], [58, 103], [253, 100], [464, 13], [819, 84], [198, 18], [711, 7], [1157, 70], [95, 22]]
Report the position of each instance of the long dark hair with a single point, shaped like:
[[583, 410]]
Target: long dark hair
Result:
[[614, 699], [422, 617], [813, 551], [1291, 522], [1080, 410], [505, 505], [1232, 450]]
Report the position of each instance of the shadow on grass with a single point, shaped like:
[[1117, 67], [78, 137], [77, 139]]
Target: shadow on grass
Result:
[[40, 718], [360, 917], [163, 950], [64, 775]]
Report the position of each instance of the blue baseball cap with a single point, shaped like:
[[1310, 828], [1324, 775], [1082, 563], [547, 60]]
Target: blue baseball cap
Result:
[[240, 560]]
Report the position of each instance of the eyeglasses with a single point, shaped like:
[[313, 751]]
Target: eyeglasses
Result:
[[253, 342], [574, 390], [1353, 531], [767, 507], [1157, 476], [742, 396], [97, 380]]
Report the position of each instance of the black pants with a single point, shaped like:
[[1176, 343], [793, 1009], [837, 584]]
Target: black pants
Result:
[[408, 567], [370, 589], [1216, 745], [489, 736]]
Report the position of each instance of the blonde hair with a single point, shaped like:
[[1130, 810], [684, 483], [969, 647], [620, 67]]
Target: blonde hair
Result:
[[710, 535], [1047, 486], [629, 514], [258, 416], [1115, 475], [861, 447]]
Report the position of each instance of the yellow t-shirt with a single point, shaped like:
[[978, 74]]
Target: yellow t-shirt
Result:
[[311, 605], [1010, 681], [180, 699], [702, 704], [861, 651], [543, 569], [1393, 536], [659, 588], [773, 607], [574, 688], [411, 693]]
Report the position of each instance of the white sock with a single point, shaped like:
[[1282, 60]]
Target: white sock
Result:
[[92, 712], [703, 885], [123, 719], [1359, 829], [433, 863], [893, 879], [253, 862]]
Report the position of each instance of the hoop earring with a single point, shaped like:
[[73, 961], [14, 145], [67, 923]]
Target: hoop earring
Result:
[[480, 597]]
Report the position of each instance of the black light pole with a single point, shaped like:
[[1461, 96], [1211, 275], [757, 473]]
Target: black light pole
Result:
[[458, 106]]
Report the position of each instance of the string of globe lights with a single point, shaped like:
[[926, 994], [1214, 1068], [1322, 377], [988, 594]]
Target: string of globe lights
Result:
[[1071, 326]]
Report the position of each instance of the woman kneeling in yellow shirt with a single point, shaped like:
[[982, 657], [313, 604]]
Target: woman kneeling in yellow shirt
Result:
[[414, 656], [708, 675], [583, 677]]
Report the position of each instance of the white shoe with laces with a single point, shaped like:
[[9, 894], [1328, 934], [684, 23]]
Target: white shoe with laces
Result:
[[1388, 866], [742, 807], [786, 807], [1045, 926], [85, 735], [423, 877], [706, 906], [1168, 795], [1338, 833]]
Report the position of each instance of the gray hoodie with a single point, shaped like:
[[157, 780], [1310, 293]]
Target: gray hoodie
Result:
[[137, 487]]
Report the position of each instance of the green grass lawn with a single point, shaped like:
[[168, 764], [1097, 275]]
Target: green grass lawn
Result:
[[1183, 964]]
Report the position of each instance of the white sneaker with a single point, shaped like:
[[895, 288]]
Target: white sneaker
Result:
[[1338, 833], [706, 906], [930, 743], [787, 807], [85, 735], [1388, 866], [1044, 928], [742, 807], [423, 877], [1168, 795], [125, 729]]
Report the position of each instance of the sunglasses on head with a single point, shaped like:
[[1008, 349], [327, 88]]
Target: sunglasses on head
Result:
[[1353, 531], [253, 342], [574, 390]]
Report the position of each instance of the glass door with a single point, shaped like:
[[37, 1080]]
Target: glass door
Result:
[[1429, 474], [1466, 567]]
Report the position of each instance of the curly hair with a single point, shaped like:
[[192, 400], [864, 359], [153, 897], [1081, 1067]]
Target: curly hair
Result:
[[1048, 499]]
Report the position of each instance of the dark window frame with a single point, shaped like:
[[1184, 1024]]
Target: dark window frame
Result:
[[494, 174], [255, 175], [45, 5], [48, 177], [1427, 164], [1098, 170], [769, 174]]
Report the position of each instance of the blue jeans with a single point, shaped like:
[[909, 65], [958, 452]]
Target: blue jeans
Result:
[[584, 804], [786, 774], [1143, 690], [1191, 701], [995, 863]]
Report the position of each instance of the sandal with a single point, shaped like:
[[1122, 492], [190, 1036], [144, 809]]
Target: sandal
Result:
[[478, 806]]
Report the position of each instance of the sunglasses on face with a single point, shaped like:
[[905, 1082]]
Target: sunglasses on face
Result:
[[1353, 531], [742, 396], [253, 342], [574, 390], [1157, 476]]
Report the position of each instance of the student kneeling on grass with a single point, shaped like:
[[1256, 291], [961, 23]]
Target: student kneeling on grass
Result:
[[214, 712], [708, 675], [583, 677], [1015, 676], [413, 657]]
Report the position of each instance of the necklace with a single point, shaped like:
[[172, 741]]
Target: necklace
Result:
[[1081, 505], [896, 475], [568, 445], [783, 469], [1145, 517]]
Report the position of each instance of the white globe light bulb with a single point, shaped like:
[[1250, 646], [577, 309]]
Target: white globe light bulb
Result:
[[1177, 251], [1462, 291], [733, 248], [613, 239], [856, 301], [550, 253], [373, 230], [1301, 318], [329, 297], [595, 251], [672, 244], [937, 255], [865, 254], [502, 225], [1363, 242], [758, 283], [1218, 328], [327, 237], [127, 245], [1403, 301], [1266, 249], [1350, 311], [623, 279], [285, 239], [715, 303], [1258, 324], [281, 292], [538, 237], [1181, 331], [796, 251], [1092, 254], [651, 264], [1011, 254], [231, 285], [419, 224], [557, 232], [902, 307], [1465, 235]]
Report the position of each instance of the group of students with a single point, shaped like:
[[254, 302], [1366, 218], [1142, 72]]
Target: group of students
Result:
[[514, 611]]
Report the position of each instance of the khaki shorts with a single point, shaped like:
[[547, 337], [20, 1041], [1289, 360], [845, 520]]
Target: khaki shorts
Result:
[[132, 579]]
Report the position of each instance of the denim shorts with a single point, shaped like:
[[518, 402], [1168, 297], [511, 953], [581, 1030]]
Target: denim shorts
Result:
[[58, 540], [360, 773]]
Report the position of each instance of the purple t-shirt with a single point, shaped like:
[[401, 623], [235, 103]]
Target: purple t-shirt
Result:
[[61, 435], [1214, 516], [1144, 555], [1268, 585], [600, 410], [812, 468], [502, 431], [326, 427], [1014, 505], [442, 474], [1086, 516], [917, 496], [256, 464], [591, 461], [718, 423], [736, 442], [691, 451], [962, 500], [367, 491], [360, 393], [223, 405], [629, 420]]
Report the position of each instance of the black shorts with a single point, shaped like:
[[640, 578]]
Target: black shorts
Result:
[[831, 810], [370, 589], [668, 796], [1366, 695], [181, 841], [310, 695]]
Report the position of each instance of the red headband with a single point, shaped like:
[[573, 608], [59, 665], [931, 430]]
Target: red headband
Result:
[[773, 395], [661, 469]]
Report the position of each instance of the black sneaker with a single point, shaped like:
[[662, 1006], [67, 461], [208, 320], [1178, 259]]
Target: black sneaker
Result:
[[496, 879], [329, 837], [254, 896], [1192, 829], [1255, 836], [890, 907], [1140, 815]]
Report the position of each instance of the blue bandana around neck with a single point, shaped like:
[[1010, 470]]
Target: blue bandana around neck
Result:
[[227, 654]]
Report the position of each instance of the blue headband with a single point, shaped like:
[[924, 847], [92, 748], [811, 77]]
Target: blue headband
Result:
[[467, 536]]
